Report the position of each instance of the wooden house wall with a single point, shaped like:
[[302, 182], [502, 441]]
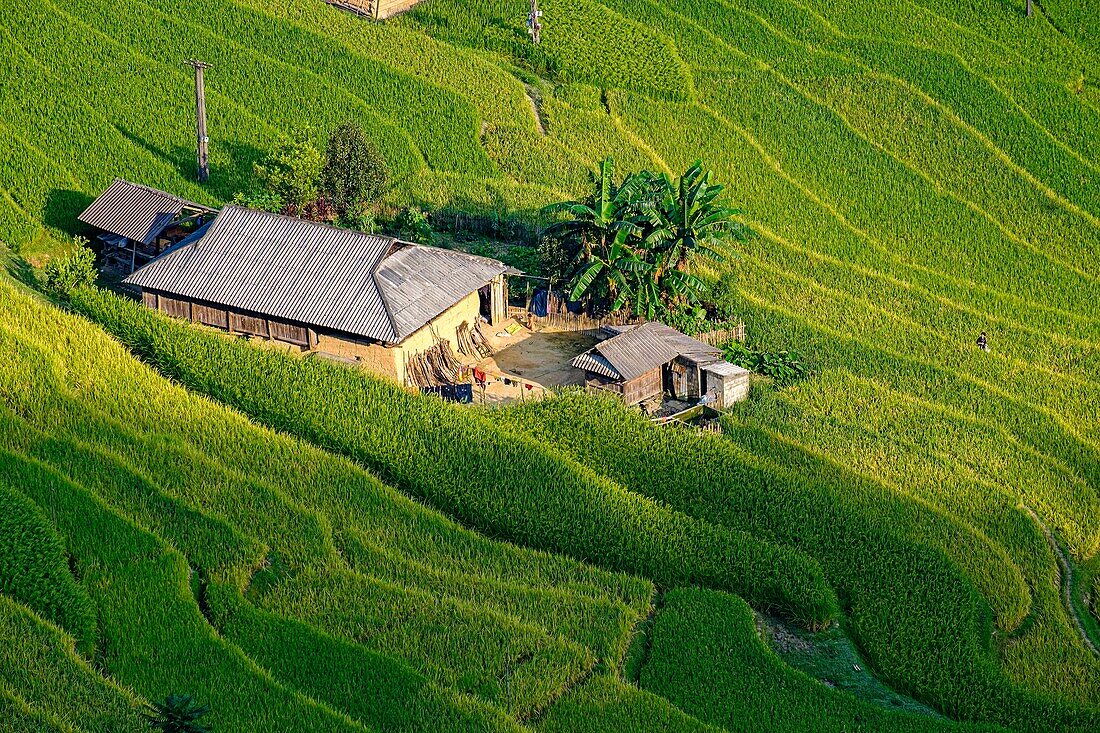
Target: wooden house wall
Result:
[[594, 381], [684, 378], [290, 332], [227, 319], [175, 307], [210, 315], [632, 391], [642, 388], [247, 324]]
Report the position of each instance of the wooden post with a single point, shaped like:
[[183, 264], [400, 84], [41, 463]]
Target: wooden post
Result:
[[534, 24], [200, 119]]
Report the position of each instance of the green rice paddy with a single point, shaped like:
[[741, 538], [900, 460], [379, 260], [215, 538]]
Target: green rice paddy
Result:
[[307, 548]]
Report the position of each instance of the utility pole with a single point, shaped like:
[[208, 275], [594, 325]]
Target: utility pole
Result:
[[200, 119], [534, 24], [1029, 8]]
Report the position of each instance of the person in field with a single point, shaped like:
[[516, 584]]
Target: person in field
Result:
[[983, 343]]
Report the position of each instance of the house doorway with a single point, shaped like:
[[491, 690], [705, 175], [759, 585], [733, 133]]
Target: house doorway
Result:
[[485, 302], [675, 381]]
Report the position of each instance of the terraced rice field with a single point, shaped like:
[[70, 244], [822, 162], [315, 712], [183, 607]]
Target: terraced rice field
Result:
[[918, 172]]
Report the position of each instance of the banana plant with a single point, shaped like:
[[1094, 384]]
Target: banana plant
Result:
[[686, 221]]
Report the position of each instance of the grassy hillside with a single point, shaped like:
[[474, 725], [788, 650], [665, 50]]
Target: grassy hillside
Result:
[[250, 569], [917, 171]]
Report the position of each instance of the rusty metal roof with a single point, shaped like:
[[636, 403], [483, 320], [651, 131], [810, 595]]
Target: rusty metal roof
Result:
[[640, 349], [317, 274], [134, 211]]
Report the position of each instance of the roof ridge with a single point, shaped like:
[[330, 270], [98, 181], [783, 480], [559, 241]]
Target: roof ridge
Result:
[[308, 222], [150, 189]]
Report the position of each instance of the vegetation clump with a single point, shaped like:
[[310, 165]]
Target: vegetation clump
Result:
[[783, 367], [177, 714], [66, 272], [354, 175], [632, 244], [340, 185]]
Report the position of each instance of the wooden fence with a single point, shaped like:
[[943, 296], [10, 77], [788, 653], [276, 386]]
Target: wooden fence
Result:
[[722, 336], [568, 321], [565, 321], [359, 7]]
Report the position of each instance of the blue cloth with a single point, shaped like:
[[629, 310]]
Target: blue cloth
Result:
[[540, 304], [462, 393]]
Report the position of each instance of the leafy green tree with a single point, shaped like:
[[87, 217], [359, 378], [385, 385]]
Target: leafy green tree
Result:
[[599, 229], [354, 172], [69, 271], [684, 222], [629, 277], [290, 177], [176, 714], [414, 224]]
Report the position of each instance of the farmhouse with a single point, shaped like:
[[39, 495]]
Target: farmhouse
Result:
[[136, 223], [650, 359], [370, 299]]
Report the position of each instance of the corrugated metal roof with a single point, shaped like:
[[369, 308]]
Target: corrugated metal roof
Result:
[[134, 211], [725, 369], [418, 283], [699, 352], [590, 361], [643, 348], [316, 274]]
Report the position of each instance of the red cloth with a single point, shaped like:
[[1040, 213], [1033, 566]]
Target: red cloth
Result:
[[479, 375]]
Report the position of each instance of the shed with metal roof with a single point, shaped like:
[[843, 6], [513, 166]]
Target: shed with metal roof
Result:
[[644, 361], [136, 223]]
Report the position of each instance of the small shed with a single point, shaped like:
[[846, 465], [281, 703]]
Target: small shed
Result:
[[647, 360], [137, 223], [377, 9], [726, 383]]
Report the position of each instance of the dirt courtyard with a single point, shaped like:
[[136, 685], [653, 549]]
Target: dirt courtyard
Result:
[[538, 358]]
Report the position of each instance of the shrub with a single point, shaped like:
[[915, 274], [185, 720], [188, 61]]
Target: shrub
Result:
[[414, 224], [290, 175], [782, 367], [361, 219], [354, 173], [177, 714], [64, 273]]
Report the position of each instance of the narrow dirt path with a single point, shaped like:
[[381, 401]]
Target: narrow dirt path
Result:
[[532, 97], [1065, 579]]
